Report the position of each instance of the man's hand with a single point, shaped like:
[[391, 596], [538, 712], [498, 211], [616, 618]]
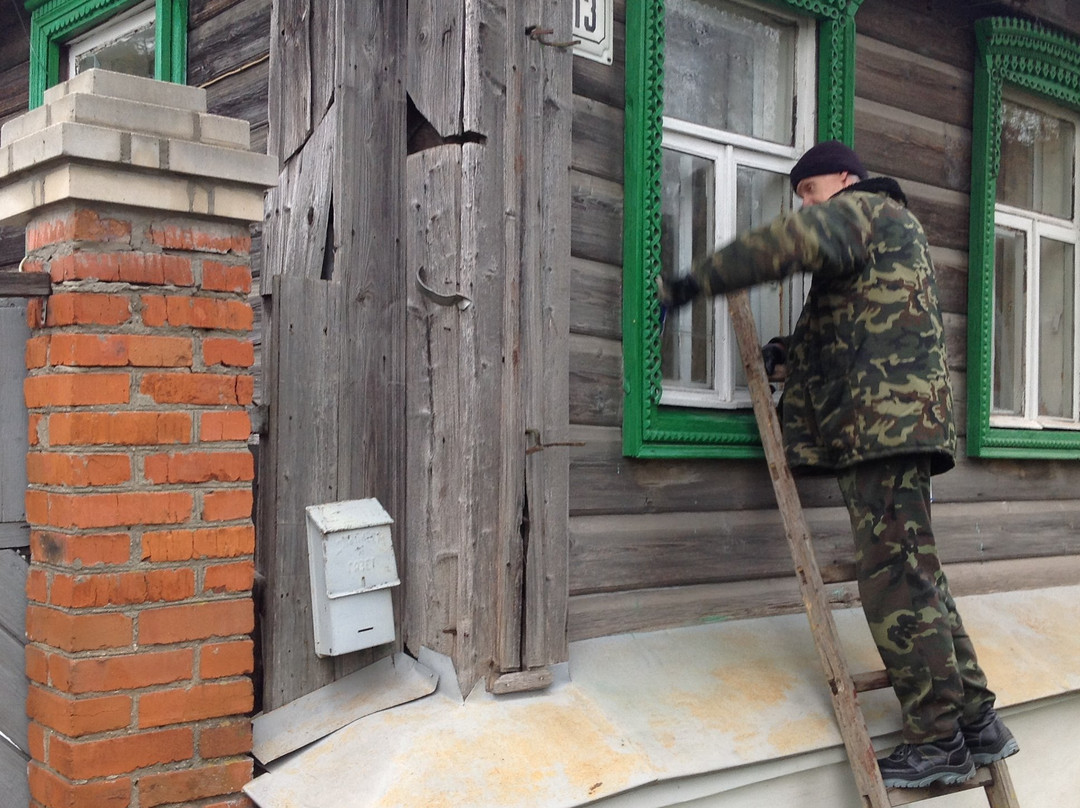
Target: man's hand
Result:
[[676, 292]]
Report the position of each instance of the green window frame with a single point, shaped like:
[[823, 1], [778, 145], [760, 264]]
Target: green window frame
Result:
[[1022, 55], [54, 22], [649, 429]]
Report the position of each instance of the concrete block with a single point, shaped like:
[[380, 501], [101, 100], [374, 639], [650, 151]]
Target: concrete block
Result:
[[67, 140], [29, 122], [217, 130], [130, 88], [144, 150], [125, 115], [246, 204], [224, 164]]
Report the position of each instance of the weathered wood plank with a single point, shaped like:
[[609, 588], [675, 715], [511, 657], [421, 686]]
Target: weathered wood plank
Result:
[[13, 417], [289, 93], [545, 290], [598, 141], [439, 455], [899, 78], [243, 95], [660, 550], [905, 23], [600, 82], [13, 687], [13, 571], [24, 284], [595, 299], [943, 213], [951, 274], [596, 380], [899, 143], [230, 39], [436, 78], [601, 614], [14, 82], [369, 254], [596, 218], [13, 780], [14, 535]]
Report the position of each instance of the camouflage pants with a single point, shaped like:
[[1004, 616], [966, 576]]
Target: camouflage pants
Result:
[[912, 616]]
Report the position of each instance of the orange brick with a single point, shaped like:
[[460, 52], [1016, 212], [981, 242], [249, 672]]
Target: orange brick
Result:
[[35, 741], [188, 785], [80, 550], [79, 225], [123, 672], [223, 426], [119, 428], [206, 389], [221, 578], [82, 760], [37, 585], [238, 801], [184, 545], [218, 660], [78, 716], [224, 506], [232, 737], [219, 277], [37, 665], [56, 792], [198, 312], [85, 308], [119, 350], [197, 621], [35, 313], [37, 352], [76, 389], [201, 238], [78, 632], [83, 590], [238, 353], [33, 426], [115, 510], [126, 267], [161, 708], [199, 467], [53, 468]]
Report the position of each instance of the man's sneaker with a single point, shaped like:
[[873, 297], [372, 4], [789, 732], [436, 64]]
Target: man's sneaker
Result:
[[918, 765], [988, 739]]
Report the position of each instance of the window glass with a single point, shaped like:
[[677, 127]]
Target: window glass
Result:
[[1057, 326], [1009, 327], [125, 46], [1037, 154], [728, 67]]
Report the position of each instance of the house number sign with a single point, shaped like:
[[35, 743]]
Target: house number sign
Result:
[[592, 26]]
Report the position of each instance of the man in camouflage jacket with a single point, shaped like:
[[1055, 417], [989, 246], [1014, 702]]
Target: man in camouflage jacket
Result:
[[867, 396]]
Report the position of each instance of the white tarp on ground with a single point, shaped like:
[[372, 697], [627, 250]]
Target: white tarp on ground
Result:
[[740, 702]]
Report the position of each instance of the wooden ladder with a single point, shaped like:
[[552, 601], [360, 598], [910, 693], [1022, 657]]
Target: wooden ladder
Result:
[[843, 686]]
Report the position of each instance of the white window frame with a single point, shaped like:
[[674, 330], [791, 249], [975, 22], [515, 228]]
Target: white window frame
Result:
[[141, 16], [728, 152], [1036, 226]]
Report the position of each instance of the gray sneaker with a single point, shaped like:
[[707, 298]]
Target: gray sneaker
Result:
[[988, 739]]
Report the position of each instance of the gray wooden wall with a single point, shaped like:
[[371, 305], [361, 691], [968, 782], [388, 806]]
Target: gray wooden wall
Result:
[[657, 543]]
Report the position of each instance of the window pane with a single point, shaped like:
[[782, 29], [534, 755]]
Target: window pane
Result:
[[1037, 155], [1057, 327], [1010, 248], [730, 68], [686, 234], [762, 196], [124, 45]]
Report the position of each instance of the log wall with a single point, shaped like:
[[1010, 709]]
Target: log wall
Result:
[[656, 543]]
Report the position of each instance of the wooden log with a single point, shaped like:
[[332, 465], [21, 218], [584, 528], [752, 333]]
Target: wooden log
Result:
[[595, 299], [596, 218], [600, 82], [234, 37], [598, 142], [596, 384], [905, 23], [244, 95]]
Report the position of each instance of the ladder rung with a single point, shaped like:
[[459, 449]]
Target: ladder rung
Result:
[[871, 680], [906, 796]]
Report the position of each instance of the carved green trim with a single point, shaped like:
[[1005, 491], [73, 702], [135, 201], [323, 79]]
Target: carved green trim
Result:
[[1025, 55], [53, 22], [650, 430]]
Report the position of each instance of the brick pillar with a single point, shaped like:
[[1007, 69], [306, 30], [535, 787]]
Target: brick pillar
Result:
[[137, 204]]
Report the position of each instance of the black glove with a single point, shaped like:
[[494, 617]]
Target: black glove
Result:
[[676, 292], [774, 353]]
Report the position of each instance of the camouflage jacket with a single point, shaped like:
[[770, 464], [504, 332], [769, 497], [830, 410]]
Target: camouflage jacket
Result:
[[867, 374]]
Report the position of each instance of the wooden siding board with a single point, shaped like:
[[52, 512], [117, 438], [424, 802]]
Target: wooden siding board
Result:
[[436, 77], [600, 82], [440, 456], [596, 381], [13, 779], [595, 290], [940, 31], [13, 688], [13, 571], [596, 218], [289, 102], [598, 150], [13, 416], [230, 39]]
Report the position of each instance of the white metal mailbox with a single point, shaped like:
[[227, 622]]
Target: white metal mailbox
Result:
[[351, 561]]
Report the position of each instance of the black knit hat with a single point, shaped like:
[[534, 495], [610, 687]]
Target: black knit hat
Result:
[[829, 157]]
